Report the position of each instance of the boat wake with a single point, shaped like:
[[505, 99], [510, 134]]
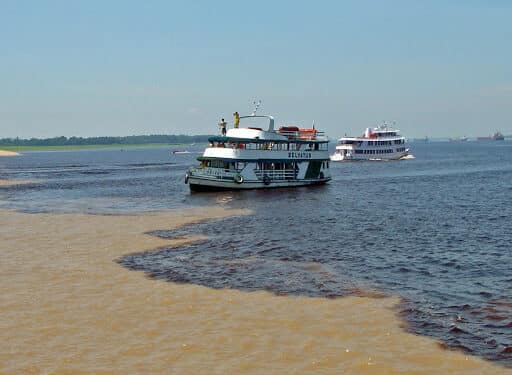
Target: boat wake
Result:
[[407, 157]]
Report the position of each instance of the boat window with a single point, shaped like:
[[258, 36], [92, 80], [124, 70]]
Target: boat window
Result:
[[219, 164]]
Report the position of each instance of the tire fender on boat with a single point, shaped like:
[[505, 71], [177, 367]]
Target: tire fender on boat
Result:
[[266, 180], [238, 178], [187, 176], [321, 176]]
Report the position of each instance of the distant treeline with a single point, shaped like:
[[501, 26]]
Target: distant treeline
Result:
[[129, 140]]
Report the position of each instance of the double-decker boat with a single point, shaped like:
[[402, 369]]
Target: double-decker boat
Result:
[[381, 143], [252, 158]]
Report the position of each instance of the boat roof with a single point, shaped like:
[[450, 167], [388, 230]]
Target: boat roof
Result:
[[227, 139], [285, 134], [366, 138], [270, 120], [384, 128]]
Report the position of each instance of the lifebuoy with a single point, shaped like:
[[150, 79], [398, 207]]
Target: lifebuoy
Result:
[[187, 176], [321, 175], [238, 178], [266, 180]]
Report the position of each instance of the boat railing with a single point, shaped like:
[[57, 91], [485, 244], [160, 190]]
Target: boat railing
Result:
[[308, 135], [276, 174], [213, 171]]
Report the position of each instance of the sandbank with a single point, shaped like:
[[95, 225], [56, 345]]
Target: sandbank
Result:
[[8, 153], [14, 182], [68, 308]]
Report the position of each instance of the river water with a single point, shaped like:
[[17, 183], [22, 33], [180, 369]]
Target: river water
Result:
[[433, 230]]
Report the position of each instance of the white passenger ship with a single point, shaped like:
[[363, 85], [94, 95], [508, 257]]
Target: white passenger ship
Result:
[[383, 143], [251, 158]]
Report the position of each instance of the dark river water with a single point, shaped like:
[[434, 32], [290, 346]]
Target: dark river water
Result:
[[435, 230]]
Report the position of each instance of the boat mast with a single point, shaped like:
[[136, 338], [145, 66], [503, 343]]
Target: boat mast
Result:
[[256, 107]]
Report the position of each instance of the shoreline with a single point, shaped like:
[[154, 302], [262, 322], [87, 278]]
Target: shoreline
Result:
[[14, 182], [68, 307], [17, 149]]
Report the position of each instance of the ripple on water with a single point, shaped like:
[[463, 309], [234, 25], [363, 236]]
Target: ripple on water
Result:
[[255, 253], [434, 230]]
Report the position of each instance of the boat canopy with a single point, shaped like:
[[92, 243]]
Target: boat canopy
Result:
[[228, 139], [270, 120]]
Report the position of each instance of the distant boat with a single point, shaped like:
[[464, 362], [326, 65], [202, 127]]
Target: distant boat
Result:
[[381, 143], [425, 140], [495, 137], [458, 139], [181, 152]]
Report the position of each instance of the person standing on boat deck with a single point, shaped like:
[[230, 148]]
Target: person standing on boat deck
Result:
[[222, 125], [237, 119]]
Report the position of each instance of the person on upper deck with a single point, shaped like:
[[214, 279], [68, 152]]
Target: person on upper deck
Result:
[[222, 125], [237, 119]]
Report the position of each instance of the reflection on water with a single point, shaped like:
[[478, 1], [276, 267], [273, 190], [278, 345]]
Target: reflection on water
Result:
[[433, 230]]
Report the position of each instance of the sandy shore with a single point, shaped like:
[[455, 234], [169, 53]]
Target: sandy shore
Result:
[[8, 153], [14, 182], [68, 308]]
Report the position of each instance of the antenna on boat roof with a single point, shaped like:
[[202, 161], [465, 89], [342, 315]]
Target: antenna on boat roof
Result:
[[256, 106]]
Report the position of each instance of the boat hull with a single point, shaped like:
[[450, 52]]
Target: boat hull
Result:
[[339, 157], [202, 184]]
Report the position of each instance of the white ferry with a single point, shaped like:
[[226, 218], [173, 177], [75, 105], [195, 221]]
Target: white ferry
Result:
[[252, 158], [381, 143]]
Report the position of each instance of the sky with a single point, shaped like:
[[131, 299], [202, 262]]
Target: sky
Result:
[[113, 68]]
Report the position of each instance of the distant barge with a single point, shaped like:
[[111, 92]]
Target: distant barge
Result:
[[495, 137]]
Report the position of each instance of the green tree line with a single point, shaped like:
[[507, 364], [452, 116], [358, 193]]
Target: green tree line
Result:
[[127, 140]]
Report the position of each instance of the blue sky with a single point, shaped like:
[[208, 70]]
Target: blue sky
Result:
[[87, 68]]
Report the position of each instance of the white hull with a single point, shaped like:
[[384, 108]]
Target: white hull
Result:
[[396, 156]]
